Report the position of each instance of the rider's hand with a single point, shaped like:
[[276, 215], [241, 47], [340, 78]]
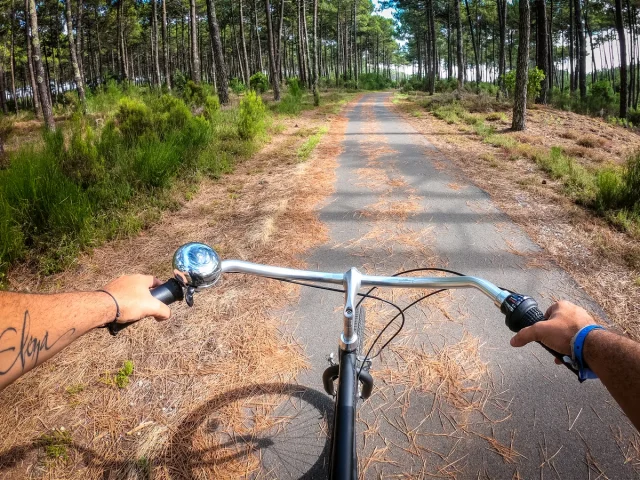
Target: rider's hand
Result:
[[564, 321], [135, 300]]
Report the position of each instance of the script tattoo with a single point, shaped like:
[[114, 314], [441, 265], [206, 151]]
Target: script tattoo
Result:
[[30, 347]]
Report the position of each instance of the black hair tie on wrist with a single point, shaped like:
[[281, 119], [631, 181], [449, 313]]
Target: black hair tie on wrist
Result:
[[117, 308]]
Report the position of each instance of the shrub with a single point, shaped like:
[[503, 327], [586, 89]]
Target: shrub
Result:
[[179, 81], [446, 86], [134, 119], [631, 177], [535, 78], [601, 96], [609, 189], [211, 106], [195, 94], [259, 82], [81, 162], [237, 86], [374, 81], [251, 116], [291, 103]]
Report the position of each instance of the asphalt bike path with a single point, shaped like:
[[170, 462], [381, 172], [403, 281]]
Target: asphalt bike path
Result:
[[452, 398]]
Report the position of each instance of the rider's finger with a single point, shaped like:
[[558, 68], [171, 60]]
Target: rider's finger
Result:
[[551, 310], [527, 335], [163, 312]]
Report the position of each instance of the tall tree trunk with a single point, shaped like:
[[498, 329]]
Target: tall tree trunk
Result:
[[155, 49], [522, 69], [316, 93], [275, 77], [623, 59], [40, 78], [165, 46], [74, 57], [502, 26], [355, 42], [3, 97], [12, 57], [221, 67], [433, 53], [459, 45], [79, 48], [244, 45], [572, 76], [474, 42], [279, 52], [122, 51], [255, 11], [542, 43], [582, 50], [195, 57]]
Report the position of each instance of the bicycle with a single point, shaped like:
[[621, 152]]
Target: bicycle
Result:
[[197, 266]]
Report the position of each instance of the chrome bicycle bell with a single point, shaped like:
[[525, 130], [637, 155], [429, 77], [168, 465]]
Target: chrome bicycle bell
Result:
[[197, 265]]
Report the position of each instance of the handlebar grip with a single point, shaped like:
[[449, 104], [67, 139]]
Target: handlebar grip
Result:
[[520, 312], [169, 292]]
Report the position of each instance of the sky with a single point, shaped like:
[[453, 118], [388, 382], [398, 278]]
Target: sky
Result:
[[387, 12]]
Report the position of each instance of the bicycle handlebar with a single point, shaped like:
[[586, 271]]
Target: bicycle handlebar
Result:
[[197, 266]]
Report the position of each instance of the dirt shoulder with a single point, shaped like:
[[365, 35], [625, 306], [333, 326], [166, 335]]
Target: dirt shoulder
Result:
[[230, 342], [603, 261]]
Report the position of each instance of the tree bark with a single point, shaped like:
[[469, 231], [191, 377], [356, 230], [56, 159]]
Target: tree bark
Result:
[[195, 57], [582, 50], [474, 43], [275, 80], [12, 57], [502, 25], [433, 53], [316, 93], [542, 43], [79, 49], [221, 67], [43, 89], [279, 52], [623, 58], [165, 46], [74, 57], [244, 45], [154, 38], [459, 46], [255, 9], [522, 70]]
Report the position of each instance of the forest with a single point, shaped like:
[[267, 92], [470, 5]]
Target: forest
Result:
[[130, 91]]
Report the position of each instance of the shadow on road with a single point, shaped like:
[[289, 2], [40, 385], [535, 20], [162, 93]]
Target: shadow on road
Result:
[[183, 460]]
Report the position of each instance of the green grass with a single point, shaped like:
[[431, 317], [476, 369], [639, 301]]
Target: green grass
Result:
[[613, 192], [74, 389], [56, 444], [307, 148], [83, 186]]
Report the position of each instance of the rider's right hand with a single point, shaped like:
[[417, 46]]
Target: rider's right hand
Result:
[[564, 319]]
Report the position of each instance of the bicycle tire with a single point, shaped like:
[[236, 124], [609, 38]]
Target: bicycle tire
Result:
[[359, 322]]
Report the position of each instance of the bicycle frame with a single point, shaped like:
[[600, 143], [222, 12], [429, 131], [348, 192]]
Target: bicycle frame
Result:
[[343, 443]]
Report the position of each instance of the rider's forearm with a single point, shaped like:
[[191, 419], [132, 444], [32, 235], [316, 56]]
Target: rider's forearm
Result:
[[616, 361], [33, 328]]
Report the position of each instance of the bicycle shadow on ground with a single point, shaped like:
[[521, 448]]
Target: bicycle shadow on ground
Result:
[[184, 461]]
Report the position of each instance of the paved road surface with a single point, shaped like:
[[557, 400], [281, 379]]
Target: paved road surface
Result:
[[523, 417]]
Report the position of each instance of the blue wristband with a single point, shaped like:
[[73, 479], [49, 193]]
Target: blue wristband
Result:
[[577, 349]]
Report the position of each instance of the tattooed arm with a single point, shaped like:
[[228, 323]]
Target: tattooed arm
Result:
[[33, 328]]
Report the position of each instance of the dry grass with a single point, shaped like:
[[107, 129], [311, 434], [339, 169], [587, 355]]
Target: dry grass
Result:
[[600, 258], [202, 378], [453, 373]]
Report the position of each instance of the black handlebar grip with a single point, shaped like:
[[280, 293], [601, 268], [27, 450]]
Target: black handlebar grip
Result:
[[520, 312], [169, 292]]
